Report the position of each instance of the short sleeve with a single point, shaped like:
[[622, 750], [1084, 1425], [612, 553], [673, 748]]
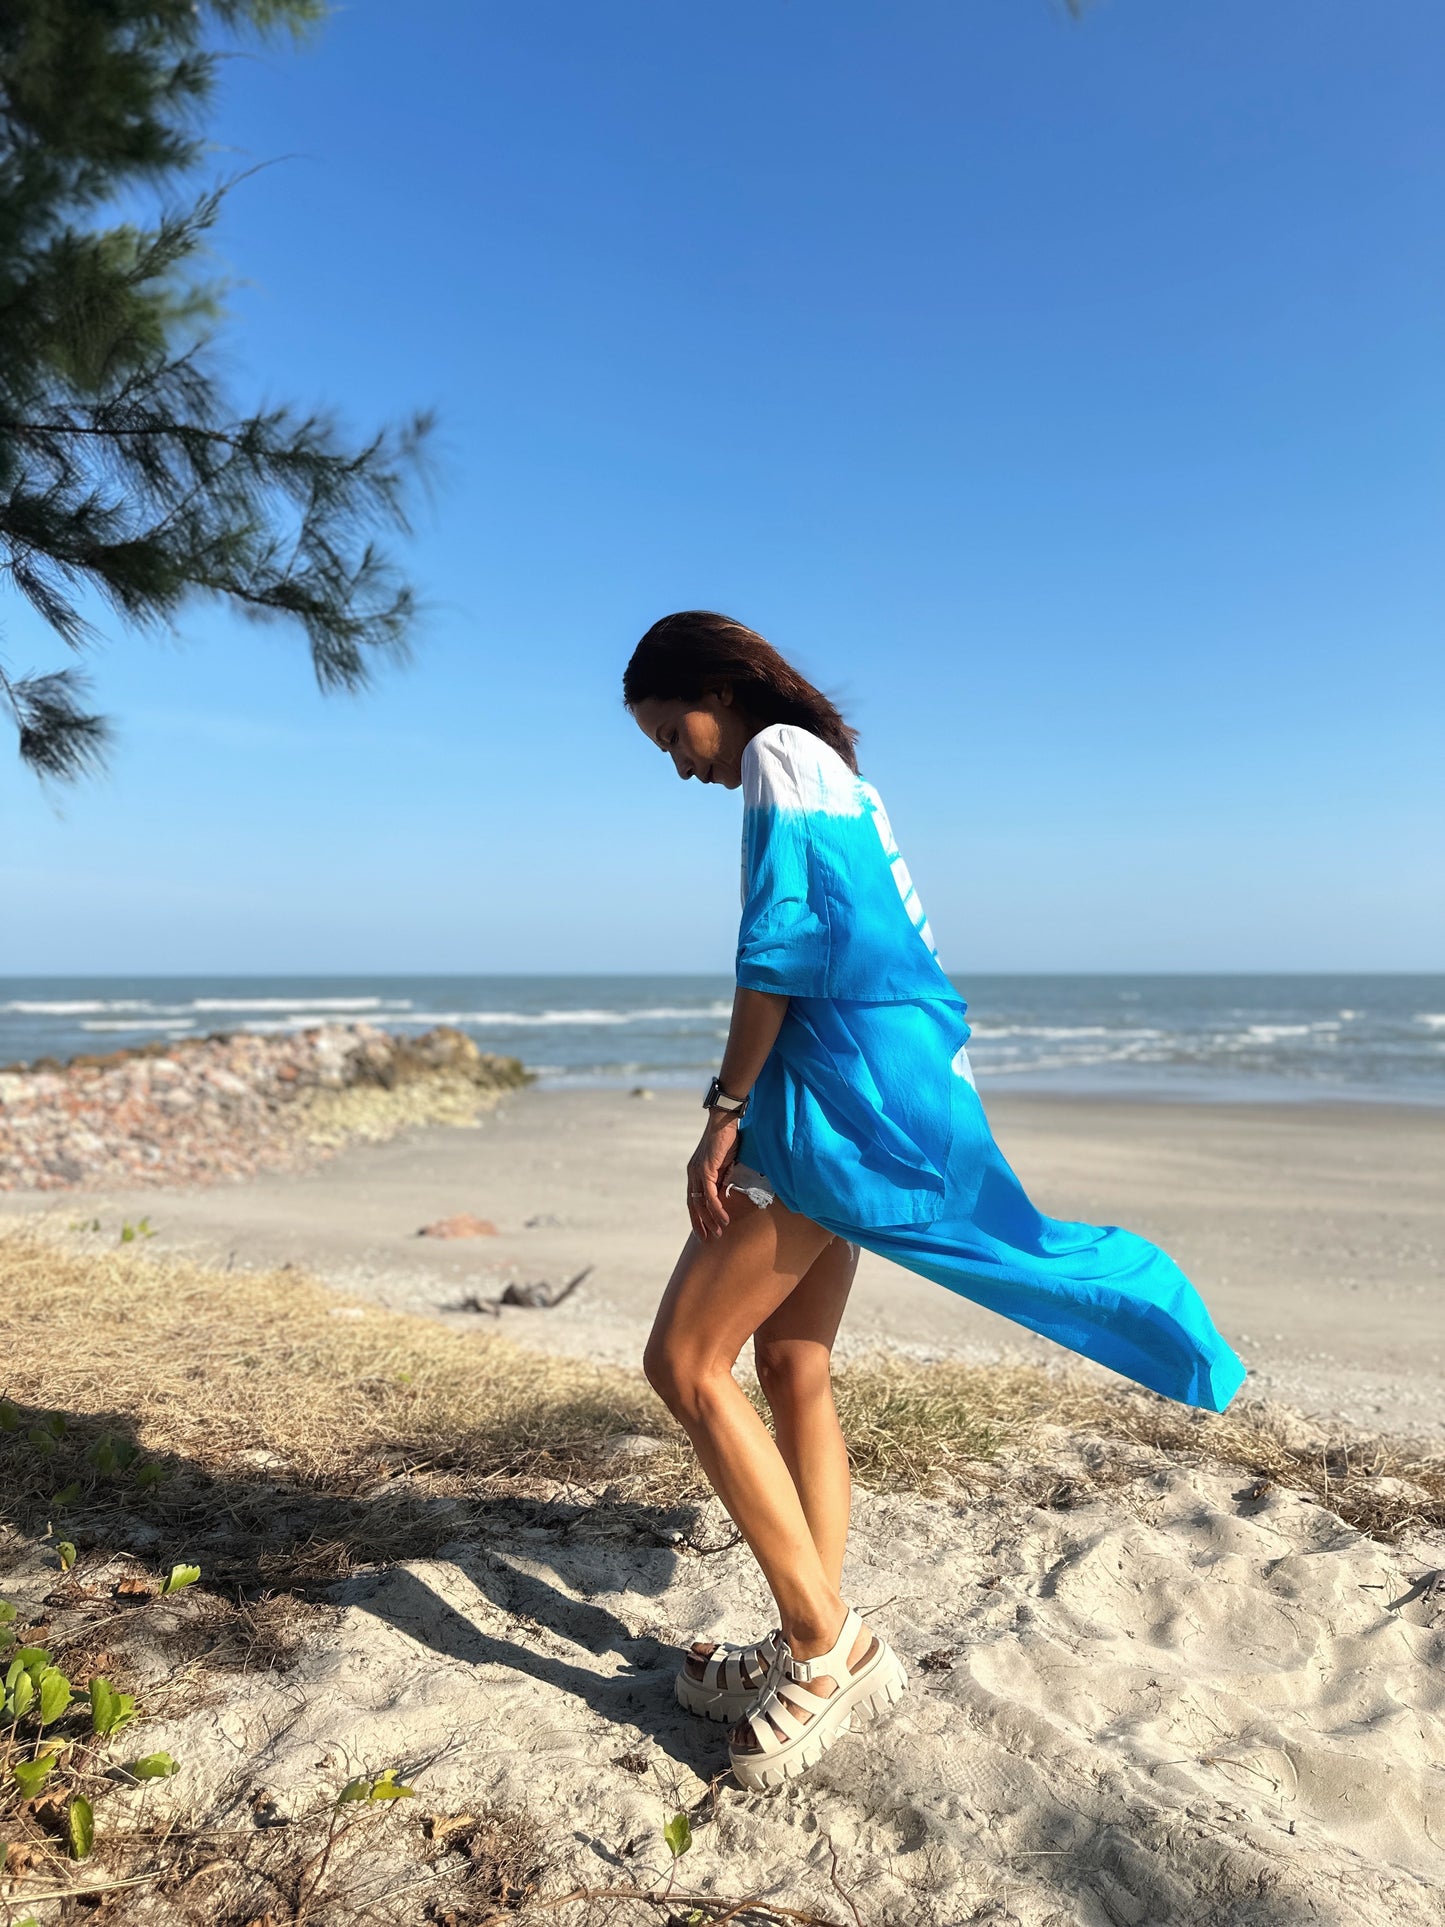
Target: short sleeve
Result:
[[785, 939], [829, 909]]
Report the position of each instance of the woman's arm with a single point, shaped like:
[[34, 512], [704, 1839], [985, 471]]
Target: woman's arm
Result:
[[757, 1018]]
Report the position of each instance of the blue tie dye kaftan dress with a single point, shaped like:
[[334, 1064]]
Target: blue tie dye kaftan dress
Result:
[[865, 1117]]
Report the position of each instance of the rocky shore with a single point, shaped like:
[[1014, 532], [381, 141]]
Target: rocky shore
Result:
[[227, 1106]]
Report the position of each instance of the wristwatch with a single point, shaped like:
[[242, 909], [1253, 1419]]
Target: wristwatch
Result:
[[717, 1099]]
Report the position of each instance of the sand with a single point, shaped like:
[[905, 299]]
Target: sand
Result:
[[1178, 1702], [1171, 1706], [1316, 1233]]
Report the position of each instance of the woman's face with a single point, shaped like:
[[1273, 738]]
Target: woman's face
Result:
[[704, 737]]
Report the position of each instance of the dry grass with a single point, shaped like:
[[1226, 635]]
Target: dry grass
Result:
[[299, 1434], [302, 1434], [909, 1426]]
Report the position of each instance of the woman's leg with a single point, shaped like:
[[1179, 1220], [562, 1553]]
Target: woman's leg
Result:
[[793, 1352], [792, 1349], [718, 1296]]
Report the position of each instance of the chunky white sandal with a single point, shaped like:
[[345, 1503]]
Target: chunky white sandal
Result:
[[732, 1679], [878, 1681]]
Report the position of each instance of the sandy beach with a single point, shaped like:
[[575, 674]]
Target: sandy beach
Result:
[[1315, 1232], [1151, 1683]]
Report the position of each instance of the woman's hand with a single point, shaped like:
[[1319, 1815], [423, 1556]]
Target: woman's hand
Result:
[[757, 1018], [707, 1171]]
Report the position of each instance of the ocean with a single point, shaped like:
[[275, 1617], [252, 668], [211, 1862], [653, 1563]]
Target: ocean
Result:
[[1295, 1038]]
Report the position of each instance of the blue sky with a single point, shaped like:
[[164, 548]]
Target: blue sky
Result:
[[1066, 397]]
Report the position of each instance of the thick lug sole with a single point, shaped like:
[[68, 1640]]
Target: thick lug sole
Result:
[[865, 1700], [727, 1708]]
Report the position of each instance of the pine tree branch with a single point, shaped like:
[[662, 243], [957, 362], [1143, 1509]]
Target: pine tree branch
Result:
[[124, 470]]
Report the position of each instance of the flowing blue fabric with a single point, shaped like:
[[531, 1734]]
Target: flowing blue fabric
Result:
[[865, 1117]]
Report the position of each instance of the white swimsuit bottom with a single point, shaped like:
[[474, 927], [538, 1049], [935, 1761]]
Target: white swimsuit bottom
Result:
[[752, 1184], [755, 1187]]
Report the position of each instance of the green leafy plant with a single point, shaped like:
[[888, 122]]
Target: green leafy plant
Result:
[[153, 1766], [9, 1416], [22, 1680], [150, 1474], [181, 1577], [80, 1828], [30, 1775], [19, 1694], [7, 1612], [42, 1441], [385, 1786], [54, 1693], [65, 1552], [130, 1232], [678, 1835], [109, 1710], [102, 1456], [67, 1495]]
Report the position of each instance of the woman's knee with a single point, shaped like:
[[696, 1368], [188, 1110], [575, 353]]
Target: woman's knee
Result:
[[792, 1370], [686, 1383]]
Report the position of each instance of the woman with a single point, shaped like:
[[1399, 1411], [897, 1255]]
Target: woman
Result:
[[843, 1115]]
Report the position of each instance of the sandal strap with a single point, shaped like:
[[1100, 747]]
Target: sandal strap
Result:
[[834, 1663], [773, 1707], [741, 1669], [787, 1705]]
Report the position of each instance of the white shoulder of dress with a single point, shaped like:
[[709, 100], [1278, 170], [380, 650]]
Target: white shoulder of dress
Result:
[[788, 768]]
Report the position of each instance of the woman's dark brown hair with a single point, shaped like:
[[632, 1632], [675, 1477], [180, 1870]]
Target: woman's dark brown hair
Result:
[[693, 653]]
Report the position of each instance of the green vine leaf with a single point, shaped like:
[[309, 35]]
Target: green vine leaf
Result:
[[109, 1710], [388, 1787], [678, 1835], [80, 1827], [55, 1695], [30, 1776]]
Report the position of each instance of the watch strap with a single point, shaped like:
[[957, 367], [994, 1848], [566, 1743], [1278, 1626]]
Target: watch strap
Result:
[[718, 1099]]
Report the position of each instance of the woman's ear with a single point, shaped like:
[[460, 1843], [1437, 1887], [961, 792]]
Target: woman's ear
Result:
[[725, 693]]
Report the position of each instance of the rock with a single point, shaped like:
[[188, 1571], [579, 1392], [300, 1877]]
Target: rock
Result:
[[463, 1225], [194, 1110]]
